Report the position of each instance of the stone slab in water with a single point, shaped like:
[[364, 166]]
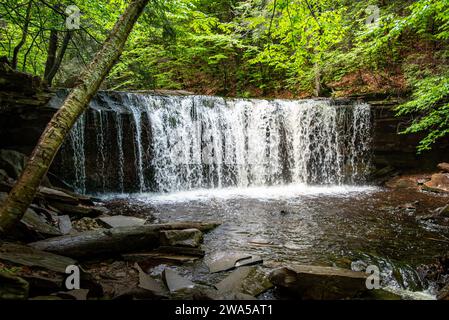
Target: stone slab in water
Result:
[[247, 280], [175, 282], [121, 221], [27, 256], [319, 283], [229, 261], [191, 238]]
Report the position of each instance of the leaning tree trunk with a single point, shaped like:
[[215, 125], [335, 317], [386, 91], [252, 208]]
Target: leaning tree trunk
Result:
[[59, 126]]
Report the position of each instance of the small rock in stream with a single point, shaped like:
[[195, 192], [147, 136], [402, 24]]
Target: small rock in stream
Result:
[[120, 221]]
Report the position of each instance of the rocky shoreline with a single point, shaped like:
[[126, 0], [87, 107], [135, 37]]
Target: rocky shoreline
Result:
[[122, 254]]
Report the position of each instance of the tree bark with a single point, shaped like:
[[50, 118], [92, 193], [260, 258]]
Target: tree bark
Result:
[[51, 53], [113, 241], [57, 63], [15, 56], [59, 126]]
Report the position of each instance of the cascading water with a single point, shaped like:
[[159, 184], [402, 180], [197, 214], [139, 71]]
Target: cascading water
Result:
[[171, 143], [77, 142]]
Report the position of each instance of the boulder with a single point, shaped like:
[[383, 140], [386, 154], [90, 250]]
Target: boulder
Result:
[[319, 283], [444, 166], [439, 183], [12, 287], [246, 280], [191, 238], [120, 221]]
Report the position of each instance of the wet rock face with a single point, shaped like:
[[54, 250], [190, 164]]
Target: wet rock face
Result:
[[399, 150], [319, 283]]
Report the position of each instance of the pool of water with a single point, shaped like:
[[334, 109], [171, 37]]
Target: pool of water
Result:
[[346, 226]]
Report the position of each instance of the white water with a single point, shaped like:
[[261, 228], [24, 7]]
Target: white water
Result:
[[273, 193], [79, 159], [201, 142]]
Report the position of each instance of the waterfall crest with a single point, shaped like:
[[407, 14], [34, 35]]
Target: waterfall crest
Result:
[[143, 142]]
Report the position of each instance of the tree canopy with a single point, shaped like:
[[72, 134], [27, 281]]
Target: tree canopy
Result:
[[251, 48]]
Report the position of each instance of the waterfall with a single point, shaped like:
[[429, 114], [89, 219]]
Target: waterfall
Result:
[[171, 143], [79, 159]]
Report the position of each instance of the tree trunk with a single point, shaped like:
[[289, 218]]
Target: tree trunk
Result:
[[113, 241], [51, 53], [15, 56], [59, 126], [58, 60]]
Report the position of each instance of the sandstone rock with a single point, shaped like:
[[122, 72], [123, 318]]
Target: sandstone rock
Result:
[[36, 223], [246, 280], [319, 283], [121, 221], [439, 183], [402, 182], [12, 287], [444, 166], [191, 238]]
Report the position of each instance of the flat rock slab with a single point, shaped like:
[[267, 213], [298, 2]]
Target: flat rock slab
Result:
[[191, 238], [159, 257], [27, 256], [228, 261], [38, 224], [246, 280], [121, 221], [175, 282], [319, 283], [148, 283], [54, 194]]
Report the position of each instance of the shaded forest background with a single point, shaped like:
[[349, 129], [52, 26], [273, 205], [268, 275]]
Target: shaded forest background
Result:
[[250, 48]]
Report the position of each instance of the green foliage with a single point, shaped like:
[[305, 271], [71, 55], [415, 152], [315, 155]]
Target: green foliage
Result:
[[258, 48]]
